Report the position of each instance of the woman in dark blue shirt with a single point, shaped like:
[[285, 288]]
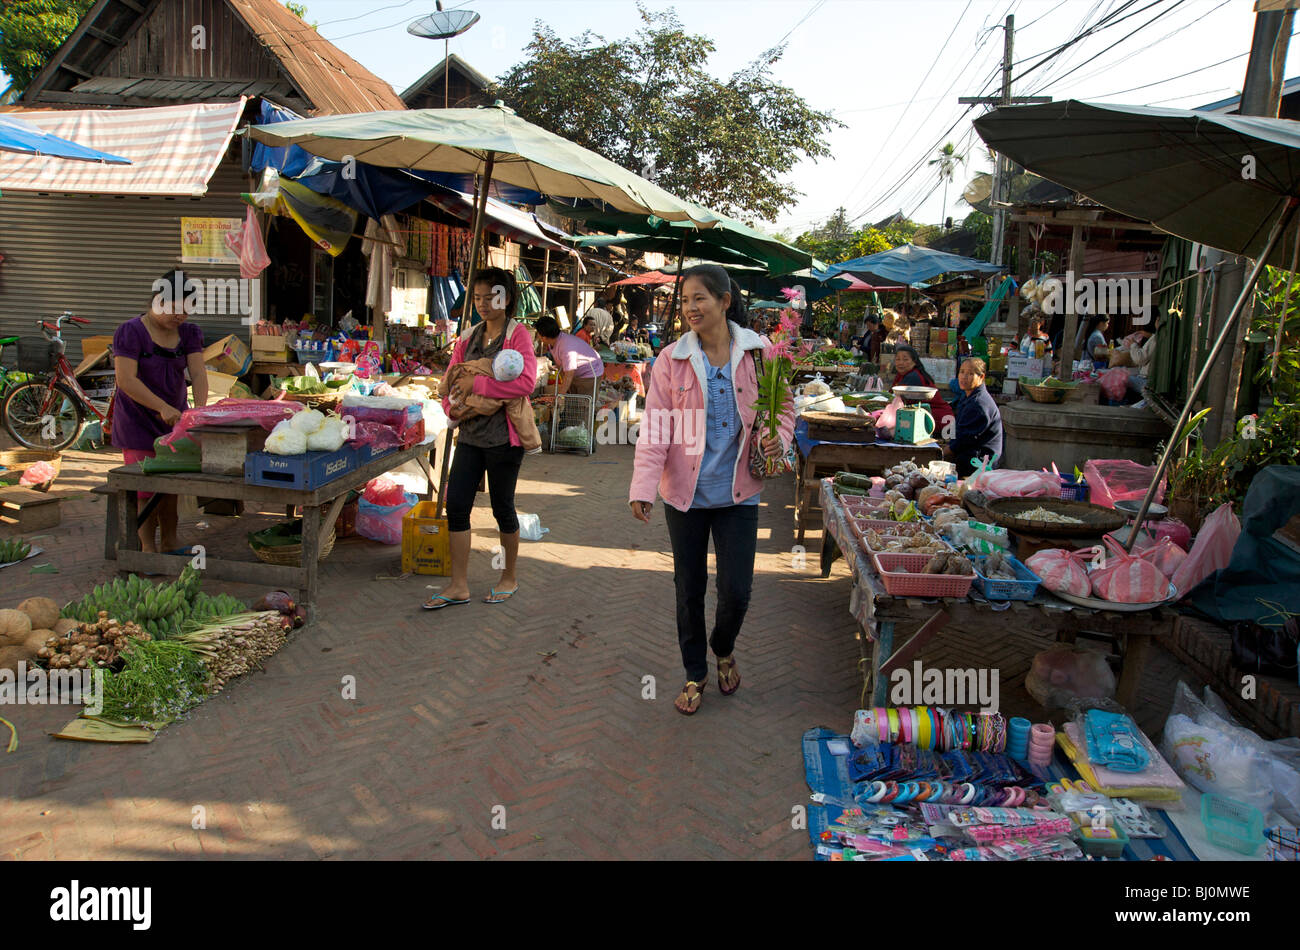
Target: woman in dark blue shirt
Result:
[[979, 423]]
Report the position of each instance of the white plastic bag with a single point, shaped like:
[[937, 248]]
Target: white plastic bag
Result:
[[286, 440], [530, 527]]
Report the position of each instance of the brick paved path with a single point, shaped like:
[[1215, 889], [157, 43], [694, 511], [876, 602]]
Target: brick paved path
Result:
[[530, 711]]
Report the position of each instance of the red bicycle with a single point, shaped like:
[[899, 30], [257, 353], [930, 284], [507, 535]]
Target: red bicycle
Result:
[[48, 410]]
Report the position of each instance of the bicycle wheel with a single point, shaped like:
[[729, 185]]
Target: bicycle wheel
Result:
[[40, 417]]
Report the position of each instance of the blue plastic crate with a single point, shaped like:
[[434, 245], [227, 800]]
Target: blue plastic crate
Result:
[[1232, 824], [1072, 490], [1023, 588], [303, 472]]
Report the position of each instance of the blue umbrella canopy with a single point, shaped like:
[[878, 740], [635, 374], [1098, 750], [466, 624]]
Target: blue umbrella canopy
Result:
[[25, 138], [909, 265]]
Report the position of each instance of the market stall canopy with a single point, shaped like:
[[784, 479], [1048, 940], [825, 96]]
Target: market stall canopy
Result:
[[727, 233], [172, 150], [857, 285], [768, 305], [909, 264], [461, 141], [1214, 179], [668, 244], [650, 277], [26, 139], [511, 223]]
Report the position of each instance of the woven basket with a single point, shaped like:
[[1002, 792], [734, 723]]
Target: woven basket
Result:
[[1097, 520], [16, 461], [1051, 394], [290, 555]]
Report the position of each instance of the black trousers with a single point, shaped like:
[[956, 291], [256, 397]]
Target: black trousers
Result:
[[501, 464], [735, 540]]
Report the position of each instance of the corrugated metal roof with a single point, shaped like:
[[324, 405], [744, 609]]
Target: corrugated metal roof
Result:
[[183, 90], [332, 81]]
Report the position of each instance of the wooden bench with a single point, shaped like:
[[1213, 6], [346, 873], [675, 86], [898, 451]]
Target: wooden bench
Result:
[[24, 510]]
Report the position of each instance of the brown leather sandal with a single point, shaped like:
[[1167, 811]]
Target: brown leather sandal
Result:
[[727, 667], [692, 701]]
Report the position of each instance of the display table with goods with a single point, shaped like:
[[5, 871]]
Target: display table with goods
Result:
[[899, 584], [138, 654], [306, 462]]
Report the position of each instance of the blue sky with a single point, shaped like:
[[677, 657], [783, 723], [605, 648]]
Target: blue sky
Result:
[[881, 66]]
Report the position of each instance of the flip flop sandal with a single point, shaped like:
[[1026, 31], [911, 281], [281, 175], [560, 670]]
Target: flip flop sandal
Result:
[[439, 602], [731, 667], [690, 709], [504, 595]]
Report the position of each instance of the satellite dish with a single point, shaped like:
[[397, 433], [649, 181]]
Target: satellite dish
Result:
[[444, 24], [979, 189]]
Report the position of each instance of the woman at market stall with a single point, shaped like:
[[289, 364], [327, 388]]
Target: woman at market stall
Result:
[[979, 423], [701, 470], [151, 354], [579, 364], [908, 371], [486, 444], [585, 333], [1096, 347]]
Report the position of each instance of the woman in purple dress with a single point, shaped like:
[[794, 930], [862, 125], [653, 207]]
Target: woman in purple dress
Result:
[[151, 354]]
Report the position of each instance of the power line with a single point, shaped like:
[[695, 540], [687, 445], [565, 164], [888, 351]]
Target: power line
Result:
[[1134, 32], [1161, 82]]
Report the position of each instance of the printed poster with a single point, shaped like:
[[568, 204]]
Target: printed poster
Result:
[[210, 240]]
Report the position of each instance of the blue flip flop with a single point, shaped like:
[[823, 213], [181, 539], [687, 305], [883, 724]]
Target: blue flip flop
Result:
[[440, 601], [503, 594]]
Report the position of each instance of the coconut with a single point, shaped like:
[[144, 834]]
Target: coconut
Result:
[[44, 613]]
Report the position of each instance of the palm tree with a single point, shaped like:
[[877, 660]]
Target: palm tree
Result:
[[948, 160]]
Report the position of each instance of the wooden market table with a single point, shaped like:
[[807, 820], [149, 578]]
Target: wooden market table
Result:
[[881, 615], [816, 460], [320, 509]]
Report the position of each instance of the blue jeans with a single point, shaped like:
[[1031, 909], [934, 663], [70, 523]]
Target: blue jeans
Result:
[[735, 541]]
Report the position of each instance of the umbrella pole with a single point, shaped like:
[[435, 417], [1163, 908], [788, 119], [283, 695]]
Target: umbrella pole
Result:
[[1247, 290], [480, 212], [677, 285]]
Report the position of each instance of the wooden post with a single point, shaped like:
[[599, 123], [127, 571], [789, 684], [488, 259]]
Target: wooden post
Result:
[[546, 277], [1077, 246], [1022, 274], [1194, 344], [479, 213]]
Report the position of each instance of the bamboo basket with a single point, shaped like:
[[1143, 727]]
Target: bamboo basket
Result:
[[1049, 394], [290, 555]]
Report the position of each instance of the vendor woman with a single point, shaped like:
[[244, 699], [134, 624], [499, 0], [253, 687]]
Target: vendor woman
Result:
[[979, 423], [908, 371], [150, 356]]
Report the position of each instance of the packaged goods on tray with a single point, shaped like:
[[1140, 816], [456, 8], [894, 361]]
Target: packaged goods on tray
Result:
[[1062, 570]]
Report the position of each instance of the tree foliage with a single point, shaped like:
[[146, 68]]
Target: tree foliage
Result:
[[648, 103], [31, 31]]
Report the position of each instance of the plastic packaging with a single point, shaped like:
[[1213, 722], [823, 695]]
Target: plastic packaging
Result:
[[308, 421], [286, 440], [1011, 483], [1128, 579], [383, 491], [1165, 555], [383, 523], [1061, 570], [329, 437], [265, 413], [530, 525], [1212, 550], [1112, 480], [1066, 674]]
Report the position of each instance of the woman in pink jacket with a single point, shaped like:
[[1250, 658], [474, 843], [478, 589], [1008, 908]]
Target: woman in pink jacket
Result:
[[693, 450], [486, 444]]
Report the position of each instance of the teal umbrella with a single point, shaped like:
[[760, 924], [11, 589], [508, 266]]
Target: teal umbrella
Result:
[[669, 245]]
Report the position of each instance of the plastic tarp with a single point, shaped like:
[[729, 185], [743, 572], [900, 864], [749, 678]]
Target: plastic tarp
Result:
[[909, 264], [1263, 576]]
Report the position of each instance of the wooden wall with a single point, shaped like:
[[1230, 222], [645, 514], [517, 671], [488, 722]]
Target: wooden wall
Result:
[[163, 45]]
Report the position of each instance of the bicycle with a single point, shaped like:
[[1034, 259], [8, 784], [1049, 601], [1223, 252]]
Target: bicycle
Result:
[[47, 410]]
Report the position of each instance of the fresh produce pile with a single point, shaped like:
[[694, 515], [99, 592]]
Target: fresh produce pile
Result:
[[892, 544], [831, 357], [159, 681], [998, 566], [24, 630], [949, 562], [162, 609], [236, 645], [1050, 517], [14, 549], [85, 645], [314, 386]]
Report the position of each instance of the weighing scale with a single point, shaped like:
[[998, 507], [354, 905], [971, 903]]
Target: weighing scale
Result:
[[914, 425]]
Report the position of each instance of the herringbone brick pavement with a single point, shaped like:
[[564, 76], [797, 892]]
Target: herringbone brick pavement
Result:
[[511, 731]]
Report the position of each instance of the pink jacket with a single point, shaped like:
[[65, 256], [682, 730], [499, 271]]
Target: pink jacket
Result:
[[517, 338], [670, 446]]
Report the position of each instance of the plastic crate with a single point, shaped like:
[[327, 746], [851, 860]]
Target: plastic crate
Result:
[[900, 583], [426, 543], [1072, 490], [1232, 824], [996, 588], [304, 472]]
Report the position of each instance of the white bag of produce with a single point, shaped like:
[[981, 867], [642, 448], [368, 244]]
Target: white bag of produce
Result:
[[308, 421], [286, 440], [329, 437]]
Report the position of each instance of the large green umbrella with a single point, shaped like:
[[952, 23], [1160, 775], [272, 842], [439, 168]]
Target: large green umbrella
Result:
[[1214, 179], [722, 231], [667, 244]]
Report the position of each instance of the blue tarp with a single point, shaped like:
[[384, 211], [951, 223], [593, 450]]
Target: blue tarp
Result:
[[909, 264], [26, 139]]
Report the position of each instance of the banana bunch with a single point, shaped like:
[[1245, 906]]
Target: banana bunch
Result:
[[164, 610], [14, 549]]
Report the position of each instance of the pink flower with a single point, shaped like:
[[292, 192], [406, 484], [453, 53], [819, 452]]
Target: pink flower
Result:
[[778, 350]]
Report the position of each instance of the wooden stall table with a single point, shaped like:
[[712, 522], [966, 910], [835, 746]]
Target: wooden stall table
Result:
[[818, 459], [881, 616], [320, 509]]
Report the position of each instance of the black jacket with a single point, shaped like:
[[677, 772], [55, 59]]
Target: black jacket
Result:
[[979, 430]]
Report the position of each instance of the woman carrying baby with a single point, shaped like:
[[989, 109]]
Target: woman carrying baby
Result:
[[488, 441]]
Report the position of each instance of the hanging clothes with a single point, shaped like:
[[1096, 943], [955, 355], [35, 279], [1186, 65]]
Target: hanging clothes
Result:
[[380, 248]]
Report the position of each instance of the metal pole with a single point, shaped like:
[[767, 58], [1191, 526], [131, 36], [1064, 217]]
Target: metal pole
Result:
[[1247, 290], [1000, 169]]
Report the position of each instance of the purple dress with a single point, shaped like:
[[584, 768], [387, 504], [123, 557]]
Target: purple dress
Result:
[[161, 370]]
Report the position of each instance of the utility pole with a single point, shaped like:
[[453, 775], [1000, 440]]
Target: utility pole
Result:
[[1001, 169], [1261, 95]]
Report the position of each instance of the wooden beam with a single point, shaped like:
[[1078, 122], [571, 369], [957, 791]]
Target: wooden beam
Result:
[[1077, 248], [132, 5], [78, 70], [1083, 218], [104, 37]]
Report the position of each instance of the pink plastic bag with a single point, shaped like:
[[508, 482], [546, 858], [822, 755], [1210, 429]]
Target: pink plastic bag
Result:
[[887, 418], [377, 436], [1112, 480], [1165, 555], [265, 413], [1114, 383], [1128, 579], [37, 474], [383, 523], [253, 258], [1061, 570], [1012, 483], [383, 491], [1212, 550]]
